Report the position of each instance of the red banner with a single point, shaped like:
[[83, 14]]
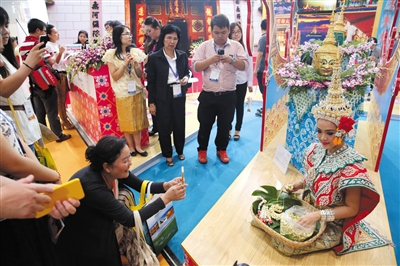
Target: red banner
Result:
[[140, 17]]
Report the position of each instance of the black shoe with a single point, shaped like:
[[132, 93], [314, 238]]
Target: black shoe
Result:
[[259, 114], [152, 133], [143, 154], [133, 153], [63, 137]]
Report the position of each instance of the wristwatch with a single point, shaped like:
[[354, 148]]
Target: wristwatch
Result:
[[234, 59]]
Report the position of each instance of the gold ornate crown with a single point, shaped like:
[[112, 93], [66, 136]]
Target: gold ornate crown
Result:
[[335, 105], [339, 24], [329, 47]]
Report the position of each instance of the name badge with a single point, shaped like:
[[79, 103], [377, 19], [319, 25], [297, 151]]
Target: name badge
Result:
[[177, 90], [132, 87], [215, 74], [29, 110]]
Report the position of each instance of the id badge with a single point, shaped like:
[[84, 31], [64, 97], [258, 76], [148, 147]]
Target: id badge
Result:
[[215, 74], [132, 87], [29, 110], [176, 90]]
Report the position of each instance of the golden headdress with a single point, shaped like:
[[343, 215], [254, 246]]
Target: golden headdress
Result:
[[339, 25], [328, 49], [335, 107]]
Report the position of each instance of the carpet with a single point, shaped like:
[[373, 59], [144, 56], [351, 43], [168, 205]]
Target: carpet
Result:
[[209, 181]]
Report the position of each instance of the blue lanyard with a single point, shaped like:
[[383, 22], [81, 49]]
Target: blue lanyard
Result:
[[173, 72], [223, 47]]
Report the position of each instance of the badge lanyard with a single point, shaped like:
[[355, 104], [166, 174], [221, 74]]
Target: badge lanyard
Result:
[[173, 72]]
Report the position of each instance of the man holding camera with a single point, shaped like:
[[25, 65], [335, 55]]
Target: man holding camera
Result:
[[44, 101], [218, 59]]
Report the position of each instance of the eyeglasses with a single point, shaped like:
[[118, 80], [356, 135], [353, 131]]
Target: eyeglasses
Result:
[[169, 38], [236, 32], [127, 34]]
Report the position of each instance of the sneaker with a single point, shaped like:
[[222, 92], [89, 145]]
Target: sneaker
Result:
[[202, 156], [258, 114], [63, 137], [223, 156], [259, 110]]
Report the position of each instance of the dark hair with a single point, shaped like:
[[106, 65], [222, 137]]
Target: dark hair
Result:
[[8, 51], [220, 20], [84, 32], [3, 17], [108, 22], [49, 27], [13, 39], [116, 35], [264, 24], [34, 24], [107, 150], [167, 29], [115, 23], [232, 27], [153, 22], [373, 39]]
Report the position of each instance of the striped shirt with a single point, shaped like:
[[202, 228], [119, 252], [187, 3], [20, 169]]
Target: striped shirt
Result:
[[27, 45]]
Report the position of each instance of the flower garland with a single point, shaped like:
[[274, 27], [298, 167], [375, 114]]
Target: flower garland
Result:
[[358, 71], [270, 205], [89, 57]]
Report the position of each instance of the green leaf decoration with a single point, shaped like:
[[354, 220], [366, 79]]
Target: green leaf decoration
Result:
[[262, 194], [255, 206], [275, 224], [272, 191]]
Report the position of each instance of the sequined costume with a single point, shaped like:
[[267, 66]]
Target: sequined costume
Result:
[[326, 180]]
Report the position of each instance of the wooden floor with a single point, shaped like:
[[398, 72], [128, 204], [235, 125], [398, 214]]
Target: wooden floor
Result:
[[230, 218]]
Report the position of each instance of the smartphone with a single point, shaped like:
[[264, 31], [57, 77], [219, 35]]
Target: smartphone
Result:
[[221, 51], [71, 189], [44, 39]]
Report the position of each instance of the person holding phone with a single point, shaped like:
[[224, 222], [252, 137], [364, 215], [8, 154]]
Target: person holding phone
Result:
[[45, 101], [26, 241], [89, 236], [218, 59], [125, 72]]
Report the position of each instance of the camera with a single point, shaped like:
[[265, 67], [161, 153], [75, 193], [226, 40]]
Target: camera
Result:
[[221, 52]]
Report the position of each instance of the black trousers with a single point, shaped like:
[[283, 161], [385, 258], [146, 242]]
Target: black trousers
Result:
[[170, 117], [46, 102], [213, 105], [261, 86], [241, 90]]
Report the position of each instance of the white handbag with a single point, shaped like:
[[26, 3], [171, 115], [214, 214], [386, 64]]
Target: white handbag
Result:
[[146, 254]]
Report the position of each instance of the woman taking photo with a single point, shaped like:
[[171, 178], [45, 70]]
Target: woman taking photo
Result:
[[167, 78], [244, 79], [19, 98], [125, 72], [89, 238]]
